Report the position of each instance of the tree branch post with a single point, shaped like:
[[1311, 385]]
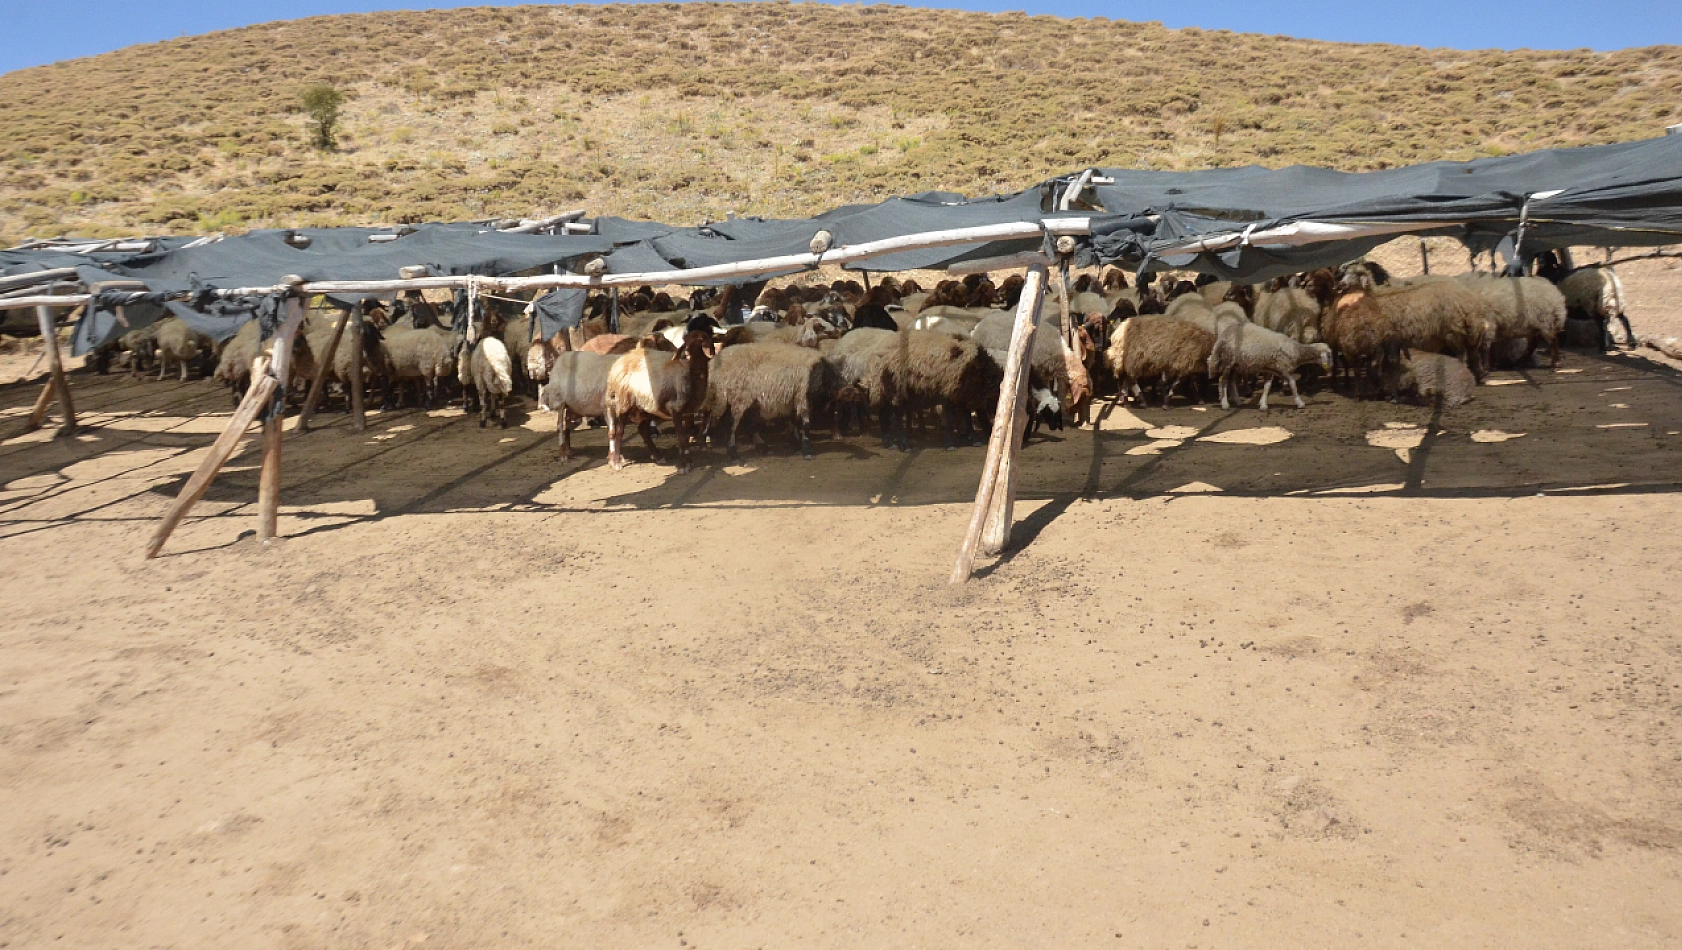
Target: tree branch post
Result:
[[994, 498]]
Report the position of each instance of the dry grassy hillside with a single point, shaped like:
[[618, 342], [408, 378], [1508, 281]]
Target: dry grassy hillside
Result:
[[686, 111]]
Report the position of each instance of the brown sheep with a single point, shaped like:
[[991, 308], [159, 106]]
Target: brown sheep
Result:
[[1159, 348], [647, 384]]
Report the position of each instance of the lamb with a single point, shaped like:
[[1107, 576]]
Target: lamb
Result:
[[427, 356], [577, 390], [1526, 311], [179, 343], [775, 382], [1258, 351], [1433, 377], [647, 384], [1158, 347], [1596, 293], [489, 370]]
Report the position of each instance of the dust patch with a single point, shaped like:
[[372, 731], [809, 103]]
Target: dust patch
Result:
[[1556, 824]]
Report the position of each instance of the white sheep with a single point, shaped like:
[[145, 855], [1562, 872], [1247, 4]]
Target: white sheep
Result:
[[1257, 351], [576, 390]]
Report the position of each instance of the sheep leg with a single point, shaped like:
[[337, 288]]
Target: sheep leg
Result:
[[1629, 331], [680, 431], [484, 411], [1553, 350], [1267, 387], [735, 422], [615, 439], [1292, 380], [1168, 394], [183, 370], [564, 432], [646, 427], [1227, 385], [804, 426]]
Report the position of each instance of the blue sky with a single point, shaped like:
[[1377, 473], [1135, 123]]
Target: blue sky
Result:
[[43, 32]]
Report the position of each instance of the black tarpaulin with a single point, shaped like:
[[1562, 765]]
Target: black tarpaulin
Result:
[[262, 258], [1628, 194]]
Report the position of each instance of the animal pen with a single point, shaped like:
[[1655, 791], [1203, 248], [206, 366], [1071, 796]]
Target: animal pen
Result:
[[1244, 224]]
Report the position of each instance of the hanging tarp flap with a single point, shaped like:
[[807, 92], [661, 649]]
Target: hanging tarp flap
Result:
[[560, 309]]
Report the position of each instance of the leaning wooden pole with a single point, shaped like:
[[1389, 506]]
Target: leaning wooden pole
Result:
[[258, 396], [38, 415], [324, 365], [1004, 441], [268, 485], [55, 366], [1001, 513]]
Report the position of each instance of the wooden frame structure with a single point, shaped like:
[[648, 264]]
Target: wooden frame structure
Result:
[[990, 522]]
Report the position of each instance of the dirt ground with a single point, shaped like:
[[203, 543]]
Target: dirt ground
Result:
[[1355, 675]]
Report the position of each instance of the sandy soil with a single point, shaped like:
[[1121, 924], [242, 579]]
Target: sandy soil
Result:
[[1358, 675]]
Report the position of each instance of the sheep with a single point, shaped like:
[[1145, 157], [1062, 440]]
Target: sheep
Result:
[[1524, 310], [516, 337], [1257, 351], [1596, 293], [234, 366], [1159, 347], [1044, 408], [1292, 311], [427, 356], [577, 390], [177, 342], [1374, 324], [776, 382], [613, 343], [647, 384], [1046, 360], [141, 346], [959, 376], [489, 371], [540, 359], [897, 372], [1433, 377]]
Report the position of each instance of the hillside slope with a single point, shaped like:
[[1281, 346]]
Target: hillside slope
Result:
[[681, 112]]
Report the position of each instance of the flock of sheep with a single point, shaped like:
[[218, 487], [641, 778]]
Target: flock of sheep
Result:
[[840, 355]]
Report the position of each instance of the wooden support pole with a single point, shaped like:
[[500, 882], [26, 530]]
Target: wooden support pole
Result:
[[358, 412], [268, 485], [38, 414], [1005, 439], [324, 364], [1001, 513], [261, 391], [55, 366]]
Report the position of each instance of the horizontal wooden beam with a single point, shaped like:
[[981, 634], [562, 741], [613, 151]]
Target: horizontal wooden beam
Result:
[[1012, 231]]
